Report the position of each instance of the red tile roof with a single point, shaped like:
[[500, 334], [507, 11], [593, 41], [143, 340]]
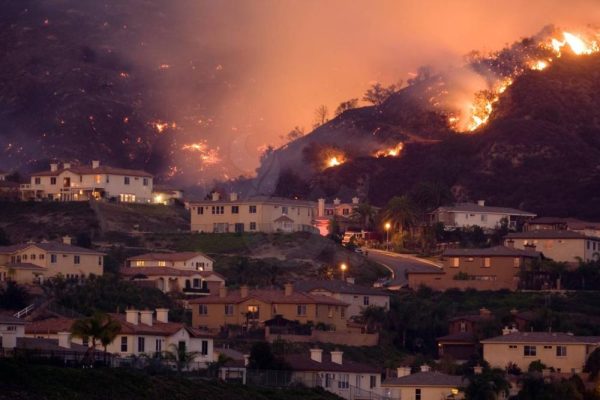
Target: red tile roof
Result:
[[270, 296], [49, 326]]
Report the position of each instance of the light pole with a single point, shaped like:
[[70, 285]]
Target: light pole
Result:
[[343, 267], [387, 227]]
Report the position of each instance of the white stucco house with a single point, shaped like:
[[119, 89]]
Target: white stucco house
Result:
[[464, 215]]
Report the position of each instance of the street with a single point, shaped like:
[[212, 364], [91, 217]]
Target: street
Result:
[[399, 264]]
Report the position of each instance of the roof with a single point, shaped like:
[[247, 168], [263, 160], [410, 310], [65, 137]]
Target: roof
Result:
[[337, 286], [259, 199], [472, 317], [548, 234], [431, 378], [181, 256], [165, 188], [50, 247], [461, 337], [47, 345], [497, 251], [102, 169], [283, 218], [157, 328], [166, 271], [303, 362], [542, 337], [50, 325], [8, 319], [269, 296], [26, 266], [474, 207]]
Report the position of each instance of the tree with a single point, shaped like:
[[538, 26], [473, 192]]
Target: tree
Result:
[[4, 240], [321, 116], [401, 213], [13, 296], [377, 93], [345, 106], [100, 327], [180, 356], [592, 365], [487, 385], [262, 357], [364, 213], [373, 317], [295, 133]]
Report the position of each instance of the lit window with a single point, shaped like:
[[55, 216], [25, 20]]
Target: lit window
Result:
[[455, 262], [487, 262], [162, 263], [98, 179]]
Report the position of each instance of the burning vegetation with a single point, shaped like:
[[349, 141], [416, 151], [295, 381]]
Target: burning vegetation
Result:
[[390, 152]]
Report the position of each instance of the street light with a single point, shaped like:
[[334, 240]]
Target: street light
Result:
[[387, 227], [343, 267]]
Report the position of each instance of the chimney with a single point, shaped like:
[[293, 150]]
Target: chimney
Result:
[[505, 331], [320, 207], [288, 289], [243, 291], [481, 203], [478, 369], [529, 246], [146, 317], [9, 340], [337, 201], [350, 280], [223, 291], [162, 315], [316, 355], [54, 167], [402, 371], [337, 357], [64, 340], [425, 368], [132, 316], [246, 359], [233, 196], [355, 200], [66, 165], [216, 196], [95, 164], [484, 312], [67, 239]]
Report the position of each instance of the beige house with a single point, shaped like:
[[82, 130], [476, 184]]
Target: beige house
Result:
[[247, 307], [30, 263], [356, 296], [562, 351], [423, 385], [82, 183], [142, 332], [188, 272], [255, 214], [561, 245], [463, 215], [338, 209], [166, 195]]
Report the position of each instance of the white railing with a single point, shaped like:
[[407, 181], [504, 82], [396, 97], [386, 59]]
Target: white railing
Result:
[[25, 311]]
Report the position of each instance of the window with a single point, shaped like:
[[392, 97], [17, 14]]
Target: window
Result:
[[330, 312], [301, 309], [365, 300], [343, 312], [218, 209], [512, 346], [284, 210], [123, 344], [145, 182], [253, 312], [98, 178], [529, 351], [158, 345], [487, 262], [483, 217], [561, 351], [455, 262], [76, 259], [229, 309], [372, 381], [33, 256], [38, 181], [24, 257], [328, 379], [141, 344], [235, 209], [203, 309], [200, 210], [252, 209], [204, 350], [239, 227], [126, 180], [418, 394], [516, 262], [345, 211], [53, 258], [196, 283], [344, 382], [139, 263], [252, 226], [53, 181], [162, 263], [107, 179], [463, 326]]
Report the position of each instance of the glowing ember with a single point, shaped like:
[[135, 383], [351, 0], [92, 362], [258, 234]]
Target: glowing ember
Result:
[[391, 152], [164, 66], [208, 156], [539, 65], [161, 126], [335, 161]]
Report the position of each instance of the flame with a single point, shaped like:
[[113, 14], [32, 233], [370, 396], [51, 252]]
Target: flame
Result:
[[391, 152], [335, 161], [577, 45], [208, 156], [539, 65], [161, 126]]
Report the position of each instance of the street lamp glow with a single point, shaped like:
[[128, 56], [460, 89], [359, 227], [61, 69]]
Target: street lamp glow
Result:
[[343, 267], [387, 226]]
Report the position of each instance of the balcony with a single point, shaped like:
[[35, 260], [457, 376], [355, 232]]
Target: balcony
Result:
[[196, 291]]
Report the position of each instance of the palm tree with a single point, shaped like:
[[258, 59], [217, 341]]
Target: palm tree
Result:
[[363, 213], [373, 317], [401, 213], [180, 356], [100, 327]]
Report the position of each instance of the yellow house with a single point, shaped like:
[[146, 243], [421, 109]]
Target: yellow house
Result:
[[561, 246], [255, 214], [30, 263], [423, 385], [247, 307], [562, 351]]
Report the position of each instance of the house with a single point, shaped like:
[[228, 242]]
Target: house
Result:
[[356, 296], [462, 342], [422, 385], [254, 214], [166, 195], [585, 228], [463, 215], [251, 308], [558, 245], [142, 332], [342, 211], [562, 351], [82, 183], [492, 268], [188, 272], [30, 263]]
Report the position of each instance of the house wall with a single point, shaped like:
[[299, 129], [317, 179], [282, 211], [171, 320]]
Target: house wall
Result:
[[264, 217], [409, 392], [446, 281], [502, 270], [342, 337], [484, 220], [358, 383], [199, 262], [356, 301], [562, 250], [21, 276], [168, 283], [501, 354]]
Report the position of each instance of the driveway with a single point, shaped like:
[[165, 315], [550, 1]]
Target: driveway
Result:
[[399, 264]]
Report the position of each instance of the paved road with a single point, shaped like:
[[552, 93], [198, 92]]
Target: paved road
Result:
[[399, 264]]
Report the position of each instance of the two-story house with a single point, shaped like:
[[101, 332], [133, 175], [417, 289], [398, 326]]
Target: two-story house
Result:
[[30, 263], [82, 183], [464, 332], [254, 214], [463, 215], [188, 272], [422, 385], [558, 245], [250, 308]]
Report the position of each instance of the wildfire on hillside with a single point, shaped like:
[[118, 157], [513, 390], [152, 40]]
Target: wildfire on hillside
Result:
[[161, 126], [390, 152], [208, 156]]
